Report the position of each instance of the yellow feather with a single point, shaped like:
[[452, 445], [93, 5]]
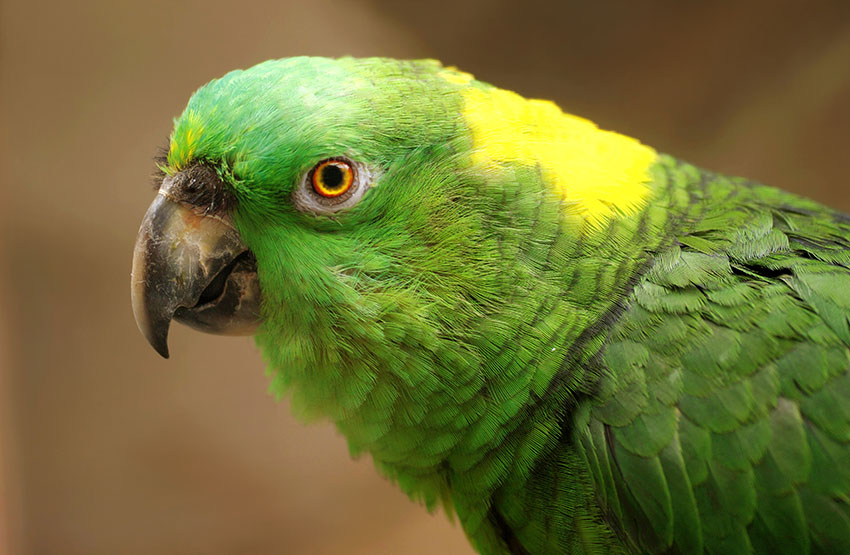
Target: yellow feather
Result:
[[185, 140], [599, 174]]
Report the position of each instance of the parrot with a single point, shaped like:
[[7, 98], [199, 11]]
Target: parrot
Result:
[[570, 342]]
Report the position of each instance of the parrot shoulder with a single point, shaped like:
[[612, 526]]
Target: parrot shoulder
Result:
[[723, 417]]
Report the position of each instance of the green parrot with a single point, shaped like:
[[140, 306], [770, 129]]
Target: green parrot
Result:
[[572, 342]]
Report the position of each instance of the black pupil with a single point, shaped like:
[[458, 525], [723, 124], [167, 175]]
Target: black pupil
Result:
[[332, 176]]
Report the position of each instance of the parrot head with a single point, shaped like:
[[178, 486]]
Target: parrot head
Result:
[[327, 206], [383, 227]]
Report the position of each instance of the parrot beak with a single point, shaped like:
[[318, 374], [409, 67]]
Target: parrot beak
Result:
[[193, 267]]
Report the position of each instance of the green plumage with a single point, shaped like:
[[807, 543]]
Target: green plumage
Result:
[[676, 379]]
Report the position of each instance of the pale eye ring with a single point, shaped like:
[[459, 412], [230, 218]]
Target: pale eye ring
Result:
[[331, 185]]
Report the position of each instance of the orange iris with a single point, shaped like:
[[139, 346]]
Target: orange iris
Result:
[[332, 178]]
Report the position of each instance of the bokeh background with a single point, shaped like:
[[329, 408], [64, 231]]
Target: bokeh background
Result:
[[106, 448]]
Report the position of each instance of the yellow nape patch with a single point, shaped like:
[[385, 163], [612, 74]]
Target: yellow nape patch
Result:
[[599, 174], [184, 140]]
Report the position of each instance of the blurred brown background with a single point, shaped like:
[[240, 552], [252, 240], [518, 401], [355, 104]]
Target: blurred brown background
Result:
[[106, 448]]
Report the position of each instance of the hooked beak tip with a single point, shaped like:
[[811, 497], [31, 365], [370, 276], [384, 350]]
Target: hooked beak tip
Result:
[[154, 329], [161, 348], [153, 320], [158, 340]]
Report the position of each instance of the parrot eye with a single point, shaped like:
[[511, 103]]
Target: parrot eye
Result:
[[332, 178], [332, 185]]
